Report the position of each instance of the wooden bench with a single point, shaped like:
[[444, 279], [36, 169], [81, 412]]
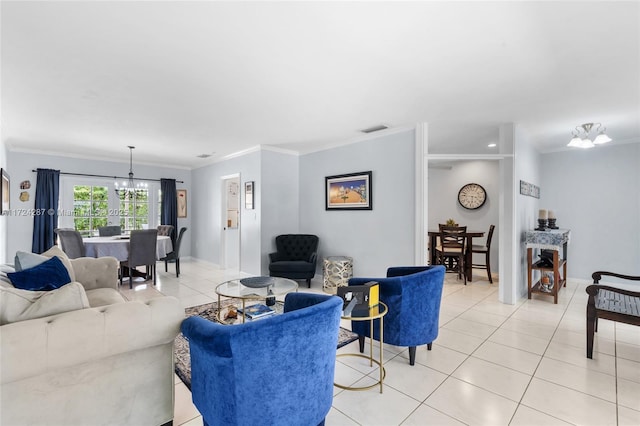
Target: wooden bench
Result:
[[610, 303]]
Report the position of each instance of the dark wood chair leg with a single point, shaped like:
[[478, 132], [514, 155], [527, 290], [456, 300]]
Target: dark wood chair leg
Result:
[[165, 266], [153, 270], [309, 282], [361, 343], [429, 346], [591, 328], [489, 269], [130, 277], [177, 267], [412, 355]]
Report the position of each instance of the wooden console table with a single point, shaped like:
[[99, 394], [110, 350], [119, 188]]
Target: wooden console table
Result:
[[550, 239]]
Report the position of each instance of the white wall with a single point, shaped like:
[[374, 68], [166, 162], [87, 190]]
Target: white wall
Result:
[[207, 220], [279, 200], [4, 258], [595, 193], [21, 164], [378, 238], [444, 184], [527, 167]]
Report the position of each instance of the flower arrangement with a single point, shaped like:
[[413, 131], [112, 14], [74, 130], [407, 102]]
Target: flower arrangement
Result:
[[451, 222]]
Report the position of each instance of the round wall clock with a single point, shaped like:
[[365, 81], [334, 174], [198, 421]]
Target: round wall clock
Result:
[[472, 196]]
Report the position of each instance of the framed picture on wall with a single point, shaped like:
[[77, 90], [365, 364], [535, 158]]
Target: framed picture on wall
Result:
[[248, 195], [349, 192], [182, 202], [4, 191]]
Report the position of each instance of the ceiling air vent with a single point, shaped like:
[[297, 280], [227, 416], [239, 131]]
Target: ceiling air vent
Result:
[[374, 128]]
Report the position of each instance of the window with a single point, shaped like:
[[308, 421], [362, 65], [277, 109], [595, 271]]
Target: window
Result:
[[90, 208], [134, 211]]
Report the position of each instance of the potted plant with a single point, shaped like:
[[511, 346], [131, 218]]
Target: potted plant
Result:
[[451, 222]]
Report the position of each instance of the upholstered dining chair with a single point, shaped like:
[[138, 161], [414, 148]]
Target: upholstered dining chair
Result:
[[451, 251], [108, 231], [486, 250], [174, 256], [412, 295], [142, 252], [165, 230], [270, 371], [71, 242], [295, 257]]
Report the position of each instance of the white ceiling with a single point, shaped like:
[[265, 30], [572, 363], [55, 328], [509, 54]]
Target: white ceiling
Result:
[[179, 79]]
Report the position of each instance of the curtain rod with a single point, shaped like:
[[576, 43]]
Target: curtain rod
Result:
[[112, 177]]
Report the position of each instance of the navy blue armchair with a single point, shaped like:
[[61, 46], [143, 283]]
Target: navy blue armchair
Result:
[[412, 295], [276, 371], [295, 257]]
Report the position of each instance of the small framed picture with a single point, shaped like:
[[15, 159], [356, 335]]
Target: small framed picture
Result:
[[182, 202], [348, 192], [248, 195]]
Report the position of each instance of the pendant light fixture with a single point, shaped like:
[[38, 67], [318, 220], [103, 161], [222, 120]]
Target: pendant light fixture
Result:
[[582, 139], [127, 189]]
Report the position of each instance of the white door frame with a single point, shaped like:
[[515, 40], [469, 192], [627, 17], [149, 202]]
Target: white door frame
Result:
[[223, 221], [507, 248]]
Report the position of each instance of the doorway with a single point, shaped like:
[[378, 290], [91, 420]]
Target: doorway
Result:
[[230, 235]]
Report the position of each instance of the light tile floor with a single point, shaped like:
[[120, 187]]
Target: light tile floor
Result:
[[492, 364]]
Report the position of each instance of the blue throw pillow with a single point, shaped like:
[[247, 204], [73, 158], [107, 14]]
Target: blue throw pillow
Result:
[[46, 276]]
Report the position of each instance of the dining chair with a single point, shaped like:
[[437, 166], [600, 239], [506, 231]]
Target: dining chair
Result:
[[71, 242], [165, 230], [451, 250], [174, 256], [486, 250], [142, 252], [108, 231]]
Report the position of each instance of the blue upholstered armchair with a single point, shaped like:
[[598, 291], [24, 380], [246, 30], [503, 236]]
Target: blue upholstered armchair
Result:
[[413, 295], [275, 371], [295, 257]]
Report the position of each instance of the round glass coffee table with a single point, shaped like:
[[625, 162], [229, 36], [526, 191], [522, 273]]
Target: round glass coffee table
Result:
[[236, 290]]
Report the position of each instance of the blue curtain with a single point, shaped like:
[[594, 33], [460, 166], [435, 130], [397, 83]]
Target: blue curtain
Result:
[[169, 206], [46, 203]]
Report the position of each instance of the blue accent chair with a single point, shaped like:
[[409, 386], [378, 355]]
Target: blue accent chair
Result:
[[274, 371], [412, 295]]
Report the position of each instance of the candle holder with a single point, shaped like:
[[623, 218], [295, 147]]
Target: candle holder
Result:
[[552, 224], [542, 225]]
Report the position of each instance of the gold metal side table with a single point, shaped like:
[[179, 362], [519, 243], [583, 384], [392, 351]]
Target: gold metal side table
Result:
[[377, 312]]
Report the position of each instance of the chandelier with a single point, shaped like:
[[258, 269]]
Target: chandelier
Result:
[[127, 188], [581, 138]]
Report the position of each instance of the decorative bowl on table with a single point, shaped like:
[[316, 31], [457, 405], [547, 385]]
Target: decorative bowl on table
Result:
[[257, 282]]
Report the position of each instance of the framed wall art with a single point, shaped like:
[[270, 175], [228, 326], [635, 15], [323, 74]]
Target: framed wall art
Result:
[[529, 189], [182, 202], [349, 192], [5, 196], [248, 195]]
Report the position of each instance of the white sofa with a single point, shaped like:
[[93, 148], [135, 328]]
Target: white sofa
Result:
[[109, 364]]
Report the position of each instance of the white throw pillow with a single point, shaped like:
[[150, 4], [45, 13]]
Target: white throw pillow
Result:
[[26, 260], [4, 279], [20, 305]]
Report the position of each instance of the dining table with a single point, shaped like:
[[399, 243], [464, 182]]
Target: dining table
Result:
[[118, 246], [470, 235]]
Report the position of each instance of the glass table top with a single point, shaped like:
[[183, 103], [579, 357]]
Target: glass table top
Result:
[[235, 289]]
